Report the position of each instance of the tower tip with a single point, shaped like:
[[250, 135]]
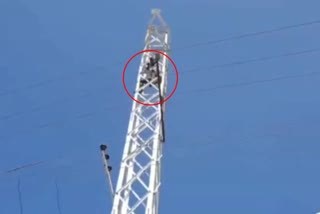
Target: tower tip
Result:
[[157, 19], [155, 11]]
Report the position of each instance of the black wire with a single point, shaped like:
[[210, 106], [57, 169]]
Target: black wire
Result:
[[210, 42], [161, 104], [203, 69], [196, 91], [37, 108], [260, 59], [20, 196], [49, 81], [236, 85], [58, 196], [253, 34], [24, 166], [67, 157]]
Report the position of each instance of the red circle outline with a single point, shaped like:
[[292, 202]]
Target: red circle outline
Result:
[[150, 104]]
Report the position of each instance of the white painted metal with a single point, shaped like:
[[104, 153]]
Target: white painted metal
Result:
[[106, 169], [137, 190]]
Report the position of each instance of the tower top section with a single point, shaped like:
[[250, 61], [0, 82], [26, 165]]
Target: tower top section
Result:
[[158, 33], [156, 19]]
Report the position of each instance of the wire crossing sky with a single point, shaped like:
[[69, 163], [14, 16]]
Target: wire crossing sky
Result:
[[245, 35], [245, 117]]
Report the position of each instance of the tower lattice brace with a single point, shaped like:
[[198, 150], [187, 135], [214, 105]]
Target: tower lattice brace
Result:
[[137, 190]]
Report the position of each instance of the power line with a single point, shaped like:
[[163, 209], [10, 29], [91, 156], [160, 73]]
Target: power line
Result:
[[203, 69], [260, 59], [20, 196], [46, 82], [251, 82], [252, 34], [194, 91], [197, 91], [210, 42], [58, 159], [22, 167], [58, 196], [37, 108]]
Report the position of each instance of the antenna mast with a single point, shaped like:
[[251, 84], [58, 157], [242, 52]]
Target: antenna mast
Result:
[[137, 190]]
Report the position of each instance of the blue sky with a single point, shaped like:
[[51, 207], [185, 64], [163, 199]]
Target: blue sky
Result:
[[246, 149]]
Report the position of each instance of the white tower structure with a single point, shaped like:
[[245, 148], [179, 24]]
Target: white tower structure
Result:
[[137, 189]]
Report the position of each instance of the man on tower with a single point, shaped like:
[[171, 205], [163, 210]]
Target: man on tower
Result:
[[150, 72]]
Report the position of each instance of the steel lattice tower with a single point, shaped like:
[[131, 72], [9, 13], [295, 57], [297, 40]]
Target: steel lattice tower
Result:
[[137, 190]]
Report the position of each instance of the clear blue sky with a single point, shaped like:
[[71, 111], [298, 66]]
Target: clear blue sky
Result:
[[246, 149]]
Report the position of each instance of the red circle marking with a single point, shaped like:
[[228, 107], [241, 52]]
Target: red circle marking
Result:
[[125, 87]]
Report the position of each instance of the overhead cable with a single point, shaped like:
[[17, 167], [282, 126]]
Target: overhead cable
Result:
[[210, 42]]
